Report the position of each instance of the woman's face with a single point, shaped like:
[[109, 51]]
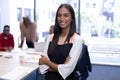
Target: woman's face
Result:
[[64, 17]]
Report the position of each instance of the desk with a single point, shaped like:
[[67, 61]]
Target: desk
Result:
[[8, 66]]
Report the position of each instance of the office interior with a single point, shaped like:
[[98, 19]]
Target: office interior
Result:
[[97, 22]]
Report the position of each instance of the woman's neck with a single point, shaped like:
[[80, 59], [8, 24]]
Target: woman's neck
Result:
[[64, 32], [63, 36]]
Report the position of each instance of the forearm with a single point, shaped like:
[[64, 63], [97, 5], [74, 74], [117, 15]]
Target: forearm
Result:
[[1, 48], [53, 66], [33, 33], [21, 44], [50, 70], [22, 38], [44, 61]]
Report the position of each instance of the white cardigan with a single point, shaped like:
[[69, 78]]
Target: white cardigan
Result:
[[65, 69]]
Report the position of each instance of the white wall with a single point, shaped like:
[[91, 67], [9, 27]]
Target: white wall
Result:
[[8, 15], [4, 13]]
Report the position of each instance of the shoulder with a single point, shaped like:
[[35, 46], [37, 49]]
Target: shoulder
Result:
[[76, 38], [50, 37], [21, 24], [33, 23], [10, 35], [1, 34]]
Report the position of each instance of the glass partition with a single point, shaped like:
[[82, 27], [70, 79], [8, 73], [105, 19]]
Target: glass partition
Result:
[[97, 21], [100, 18], [100, 24], [45, 14]]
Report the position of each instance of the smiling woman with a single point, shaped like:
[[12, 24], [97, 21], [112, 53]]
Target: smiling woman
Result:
[[61, 49]]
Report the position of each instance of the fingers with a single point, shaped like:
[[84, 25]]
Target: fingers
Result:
[[42, 59], [67, 59], [42, 55]]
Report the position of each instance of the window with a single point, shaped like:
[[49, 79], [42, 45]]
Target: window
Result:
[[47, 12]]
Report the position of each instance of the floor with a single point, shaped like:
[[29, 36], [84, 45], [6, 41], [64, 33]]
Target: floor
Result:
[[105, 61], [104, 72]]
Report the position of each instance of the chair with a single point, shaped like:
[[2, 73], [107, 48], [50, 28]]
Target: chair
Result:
[[84, 64]]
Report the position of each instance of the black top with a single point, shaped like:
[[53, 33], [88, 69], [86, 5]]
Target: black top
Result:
[[59, 57]]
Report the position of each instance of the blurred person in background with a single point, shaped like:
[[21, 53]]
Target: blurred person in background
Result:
[[28, 32], [51, 29], [6, 39]]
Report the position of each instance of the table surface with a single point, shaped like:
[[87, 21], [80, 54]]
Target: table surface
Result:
[[10, 65]]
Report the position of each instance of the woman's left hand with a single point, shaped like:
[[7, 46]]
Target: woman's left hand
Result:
[[67, 59], [43, 60]]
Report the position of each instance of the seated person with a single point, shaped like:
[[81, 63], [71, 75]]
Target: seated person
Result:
[[51, 29], [6, 39]]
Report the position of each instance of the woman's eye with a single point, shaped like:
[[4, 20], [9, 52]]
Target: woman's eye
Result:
[[59, 15], [65, 15]]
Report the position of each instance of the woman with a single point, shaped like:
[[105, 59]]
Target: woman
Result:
[[63, 47]]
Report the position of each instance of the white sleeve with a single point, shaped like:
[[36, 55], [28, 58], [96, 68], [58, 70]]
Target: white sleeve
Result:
[[66, 69], [43, 68]]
